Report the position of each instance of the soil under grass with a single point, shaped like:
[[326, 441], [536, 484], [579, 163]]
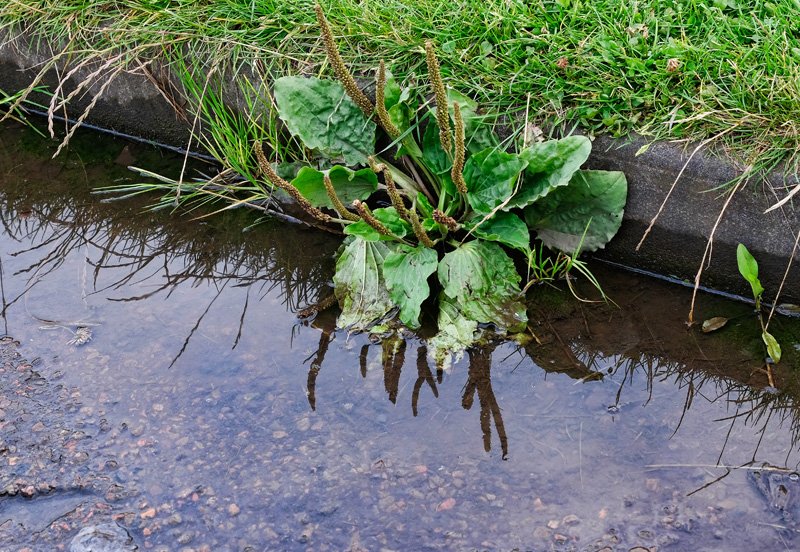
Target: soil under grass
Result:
[[664, 68]]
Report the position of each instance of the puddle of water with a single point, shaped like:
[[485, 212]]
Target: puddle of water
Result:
[[203, 415]]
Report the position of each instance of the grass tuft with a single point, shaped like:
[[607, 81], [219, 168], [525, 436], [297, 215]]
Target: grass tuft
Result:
[[669, 69]]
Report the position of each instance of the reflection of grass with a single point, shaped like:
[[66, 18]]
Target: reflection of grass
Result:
[[670, 68], [141, 243], [15, 112], [753, 406]]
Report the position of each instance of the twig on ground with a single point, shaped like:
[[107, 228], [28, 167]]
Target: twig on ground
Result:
[[677, 178]]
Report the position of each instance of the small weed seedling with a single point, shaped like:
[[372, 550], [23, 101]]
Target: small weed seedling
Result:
[[748, 267]]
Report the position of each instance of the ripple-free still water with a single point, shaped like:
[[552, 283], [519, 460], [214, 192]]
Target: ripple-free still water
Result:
[[203, 416]]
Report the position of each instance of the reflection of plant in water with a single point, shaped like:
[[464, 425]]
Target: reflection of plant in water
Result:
[[144, 246], [480, 382], [755, 406], [424, 376], [393, 354]]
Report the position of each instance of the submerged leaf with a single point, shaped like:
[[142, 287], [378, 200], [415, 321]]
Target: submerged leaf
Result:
[[505, 228], [713, 324], [773, 347], [481, 280], [349, 185], [748, 267], [456, 333], [593, 202], [490, 176], [406, 272], [359, 284], [550, 164], [320, 113]]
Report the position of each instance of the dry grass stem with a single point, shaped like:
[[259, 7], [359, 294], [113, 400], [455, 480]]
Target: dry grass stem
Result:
[[56, 104], [677, 178], [87, 111], [23, 96], [709, 248], [783, 280], [785, 200]]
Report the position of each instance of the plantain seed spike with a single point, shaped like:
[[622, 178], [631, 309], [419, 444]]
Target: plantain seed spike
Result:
[[276, 180], [339, 68], [376, 167], [337, 203], [380, 104], [394, 195], [419, 231], [370, 219], [442, 115], [457, 172], [445, 220]]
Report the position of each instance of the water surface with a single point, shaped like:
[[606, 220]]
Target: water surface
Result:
[[202, 415]]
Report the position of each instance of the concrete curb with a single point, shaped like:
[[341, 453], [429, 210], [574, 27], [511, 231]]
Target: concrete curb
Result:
[[134, 105]]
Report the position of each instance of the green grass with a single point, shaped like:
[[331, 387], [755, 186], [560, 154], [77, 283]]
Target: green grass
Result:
[[738, 62]]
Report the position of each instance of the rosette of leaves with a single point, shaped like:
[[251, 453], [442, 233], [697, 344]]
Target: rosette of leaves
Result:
[[459, 211]]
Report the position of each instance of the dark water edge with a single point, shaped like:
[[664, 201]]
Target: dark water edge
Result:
[[202, 415]]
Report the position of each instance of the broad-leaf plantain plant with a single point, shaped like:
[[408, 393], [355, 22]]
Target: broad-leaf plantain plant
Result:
[[450, 201]]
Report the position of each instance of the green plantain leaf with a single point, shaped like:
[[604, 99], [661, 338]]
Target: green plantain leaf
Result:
[[773, 347], [748, 267], [490, 176], [392, 92], [550, 164], [406, 271], [390, 219], [593, 200], [424, 205], [349, 185], [320, 113], [399, 103], [483, 283], [359, 284], [436, 159], [505, 228]]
